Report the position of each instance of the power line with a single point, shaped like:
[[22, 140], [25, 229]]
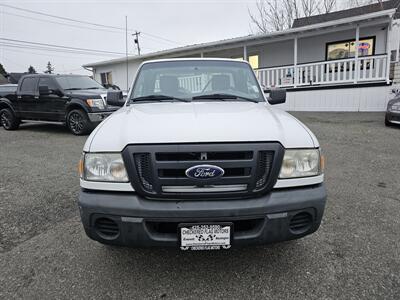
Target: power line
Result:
[[85, 22], [22, 46], [22, 50], [62, 18], [161, 38], [63, 47], [59, 23]]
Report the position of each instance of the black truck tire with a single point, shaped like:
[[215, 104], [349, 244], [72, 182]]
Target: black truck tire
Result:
[[387, 123], [8, 119], [78, 122]]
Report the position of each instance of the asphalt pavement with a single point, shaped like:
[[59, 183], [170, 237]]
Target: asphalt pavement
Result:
[[45, 254]]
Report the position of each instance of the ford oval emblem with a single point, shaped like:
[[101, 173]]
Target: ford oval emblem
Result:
[[204, 172]]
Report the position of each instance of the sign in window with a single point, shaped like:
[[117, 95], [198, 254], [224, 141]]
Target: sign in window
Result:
[[347, 49]]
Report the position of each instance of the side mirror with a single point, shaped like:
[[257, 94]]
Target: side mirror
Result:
[[277, 96], [44, 90], [115, 98]]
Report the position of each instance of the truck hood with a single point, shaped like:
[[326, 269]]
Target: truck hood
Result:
[[86, 93], [198, 122]]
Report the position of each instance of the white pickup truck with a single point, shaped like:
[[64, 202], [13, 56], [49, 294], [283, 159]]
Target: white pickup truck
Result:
[[198, 158]]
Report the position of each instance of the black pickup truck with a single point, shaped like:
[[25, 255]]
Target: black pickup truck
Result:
[[74, 100]]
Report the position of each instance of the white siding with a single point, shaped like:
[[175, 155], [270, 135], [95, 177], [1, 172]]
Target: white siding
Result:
[[351, 99], [313, 48], [118, 72]]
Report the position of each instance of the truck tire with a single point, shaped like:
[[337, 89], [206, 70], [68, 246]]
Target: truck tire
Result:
[[8, 119], [78, 122], [387, 123]]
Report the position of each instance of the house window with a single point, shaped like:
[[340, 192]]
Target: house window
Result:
[[253, 60], [106, 78], [346, 49]]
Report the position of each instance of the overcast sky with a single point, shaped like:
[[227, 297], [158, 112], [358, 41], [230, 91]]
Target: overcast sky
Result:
[[184, 22]]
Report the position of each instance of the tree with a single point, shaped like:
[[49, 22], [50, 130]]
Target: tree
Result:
[[278, 15], [49, 68], [31, 70], [2, 70], [355, 3]]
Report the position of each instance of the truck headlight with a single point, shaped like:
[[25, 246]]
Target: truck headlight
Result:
[[98, 103], [301, 163], [103, 167], [395, 107]]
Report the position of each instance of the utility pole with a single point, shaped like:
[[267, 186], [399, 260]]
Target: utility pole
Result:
[[136, 34], [126, 52]]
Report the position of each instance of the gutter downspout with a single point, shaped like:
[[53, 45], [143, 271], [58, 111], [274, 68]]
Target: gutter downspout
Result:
[[295, 73], [388, 31], [357, 71]]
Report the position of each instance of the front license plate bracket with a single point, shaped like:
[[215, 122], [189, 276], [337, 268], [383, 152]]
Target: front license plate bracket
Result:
[[205, 236]]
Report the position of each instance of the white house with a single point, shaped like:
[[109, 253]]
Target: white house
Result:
[[316, 60]]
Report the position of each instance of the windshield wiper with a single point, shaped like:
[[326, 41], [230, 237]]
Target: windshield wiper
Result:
[[223, 97], [157, 98], [94, 88], [73, 89]]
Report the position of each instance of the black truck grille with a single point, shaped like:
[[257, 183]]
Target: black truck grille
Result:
[[158, 171]]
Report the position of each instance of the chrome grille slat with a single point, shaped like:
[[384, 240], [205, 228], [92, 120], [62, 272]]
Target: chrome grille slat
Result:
[[188, 164]]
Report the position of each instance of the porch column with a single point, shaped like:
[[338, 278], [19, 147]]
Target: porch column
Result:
[[357, 63], [245, 53], [201, 54], [388, 31], [295, 73]]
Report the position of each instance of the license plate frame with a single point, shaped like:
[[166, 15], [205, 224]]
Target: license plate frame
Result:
[[206, 242]]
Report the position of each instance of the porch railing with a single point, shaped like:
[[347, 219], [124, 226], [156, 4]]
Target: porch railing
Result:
[[351, 70]]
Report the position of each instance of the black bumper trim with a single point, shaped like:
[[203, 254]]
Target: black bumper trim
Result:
[[133, 214]]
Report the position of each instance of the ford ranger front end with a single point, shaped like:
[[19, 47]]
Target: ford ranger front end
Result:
[[198, 159]]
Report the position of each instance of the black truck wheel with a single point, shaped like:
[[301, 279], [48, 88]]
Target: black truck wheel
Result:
[[78, 122], [8, 119]]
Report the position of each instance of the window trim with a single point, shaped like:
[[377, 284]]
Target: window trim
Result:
[[55, 83], [35, 88], [106, 77], [254, 54], [350, 40]]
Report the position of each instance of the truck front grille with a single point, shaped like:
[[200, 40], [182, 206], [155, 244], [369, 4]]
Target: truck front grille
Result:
[[144, 169], [158, 171]]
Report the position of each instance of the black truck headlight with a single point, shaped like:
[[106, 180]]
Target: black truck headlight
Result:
[[97, 103], [395, 107], [104, 167], [301, 163]]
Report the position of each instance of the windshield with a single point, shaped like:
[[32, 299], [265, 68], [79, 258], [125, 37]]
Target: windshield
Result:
[[78, 83], [196, 80]]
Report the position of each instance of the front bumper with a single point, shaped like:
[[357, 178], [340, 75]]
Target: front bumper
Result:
[[393, 117], [99, 116], [143, 222]]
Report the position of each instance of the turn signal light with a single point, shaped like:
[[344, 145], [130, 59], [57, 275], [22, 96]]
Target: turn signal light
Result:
[[80, 168], [322, 163]]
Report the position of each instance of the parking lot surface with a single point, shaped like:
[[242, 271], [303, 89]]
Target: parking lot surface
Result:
[[44, 252]]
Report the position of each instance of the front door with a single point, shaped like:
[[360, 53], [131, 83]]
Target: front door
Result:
[[52, 106], [28, 98]]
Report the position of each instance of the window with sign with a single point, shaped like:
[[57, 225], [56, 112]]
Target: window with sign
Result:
[[346, 49]]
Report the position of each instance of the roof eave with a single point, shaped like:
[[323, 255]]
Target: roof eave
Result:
[[198, 47]]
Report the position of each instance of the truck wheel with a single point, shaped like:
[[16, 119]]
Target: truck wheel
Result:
[[78, 122], [387, 123], [8, 119]]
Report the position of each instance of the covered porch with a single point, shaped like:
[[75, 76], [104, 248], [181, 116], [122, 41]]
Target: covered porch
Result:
[[353, 52]]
